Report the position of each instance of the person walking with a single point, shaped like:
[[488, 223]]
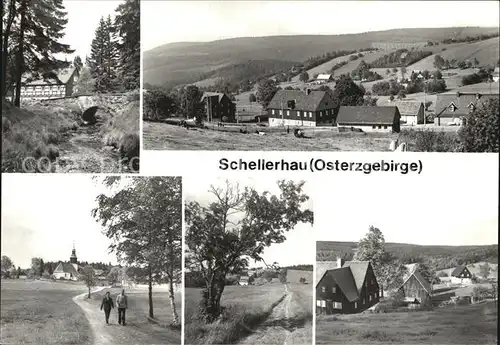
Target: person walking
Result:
[[107, 304], [121, 303]]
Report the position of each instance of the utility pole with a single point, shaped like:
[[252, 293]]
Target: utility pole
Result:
[[282, 115]]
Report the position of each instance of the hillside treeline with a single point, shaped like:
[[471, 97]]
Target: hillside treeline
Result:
[[400, 58]]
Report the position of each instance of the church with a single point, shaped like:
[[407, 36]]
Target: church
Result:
[[68, 271]]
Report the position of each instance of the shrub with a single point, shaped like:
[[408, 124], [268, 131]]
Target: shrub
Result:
[[430, 141], [442, 274], [52, 152], [480, 133], [6, 124], [129, 148], [53, 138]]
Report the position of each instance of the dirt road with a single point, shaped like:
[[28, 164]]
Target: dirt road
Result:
[[287, 323], [114, 334]]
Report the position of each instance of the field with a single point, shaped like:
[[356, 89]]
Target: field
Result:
[[39, 312], [458, 324], [266, 314], [139, 329], [161, 136]]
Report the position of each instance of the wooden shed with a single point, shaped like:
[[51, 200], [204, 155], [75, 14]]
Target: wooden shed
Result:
[[416, 288]]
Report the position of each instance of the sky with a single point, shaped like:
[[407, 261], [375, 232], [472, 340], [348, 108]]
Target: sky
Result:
[[83, 19], [187, 21], [298, 239], [43, 214], [446, 207]]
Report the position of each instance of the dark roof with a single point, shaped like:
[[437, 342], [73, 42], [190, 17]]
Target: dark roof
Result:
[[367, 115], [358, 269], [461, 103], [322, 267], [293, 276], [219, 95], [345, 280], [457, 271], [413, 271], [303, 101]]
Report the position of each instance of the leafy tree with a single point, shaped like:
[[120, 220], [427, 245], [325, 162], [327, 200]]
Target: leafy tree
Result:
[[127, 24], [32, 33], [302, 280], [158, 105], [265, 92], [36, 264], [485, 270], [391, 98], [114, 275], [439, 62], [218, 244], [437, 74], [401, 94], [6, 263], [347, 93], [427, 272], [252, 98], [304, 76], [480, 133], [89, 278], [143, 217], [19, 272], [103, 59], [190, 100], [41, 268], [388, 270], [395, 70], [427, 105], [476, 62], [77, 63]]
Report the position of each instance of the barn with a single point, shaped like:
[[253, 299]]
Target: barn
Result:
[[461, 275], [58, 84], [219, 106], [415, 288], [324, 78], [370, 119], [307, 108], [299, 277], [453, 107], [412, 113], [349, 288]]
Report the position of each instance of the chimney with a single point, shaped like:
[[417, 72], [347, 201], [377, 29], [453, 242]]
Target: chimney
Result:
[[340, 262]]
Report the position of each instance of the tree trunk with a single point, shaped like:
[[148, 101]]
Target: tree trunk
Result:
[[211, 308], [172, 303], [20, 55], [150, 288], [89, 291], [5, 47]]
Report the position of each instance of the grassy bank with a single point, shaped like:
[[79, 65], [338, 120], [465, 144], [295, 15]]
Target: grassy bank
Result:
[[459, 324], [37, 312], [34, 131], [245, 308]]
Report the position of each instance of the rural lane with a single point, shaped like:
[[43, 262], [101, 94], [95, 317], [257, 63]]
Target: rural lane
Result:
[[281, 327]]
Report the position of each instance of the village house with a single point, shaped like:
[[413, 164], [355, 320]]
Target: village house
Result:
[[370, 119], [218, 106], [461, 275], [295, 277], [307, 108], [68, 271], [350, 287], [412, 113], [415, 288], [60, 84], [452, 108], [324, 78]]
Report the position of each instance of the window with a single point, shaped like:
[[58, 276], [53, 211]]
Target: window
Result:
[[337, 305], [288, 113], [323, 289], [334, 289], [373, 127], [310, 114], [272, 111], [369, 298], [318, 303], [281, 112], [385, 127], [323, 304], [355, 305]]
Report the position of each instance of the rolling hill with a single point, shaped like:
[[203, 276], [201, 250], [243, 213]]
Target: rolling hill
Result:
[[188, 62]]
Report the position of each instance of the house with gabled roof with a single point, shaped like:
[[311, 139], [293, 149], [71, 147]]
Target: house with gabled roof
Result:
[[218, 106], [370, 119], [56, 84], [415, 288], [412, 112], [453, 107], [461, 275], [324, 78], [307, 108], [350, 287]]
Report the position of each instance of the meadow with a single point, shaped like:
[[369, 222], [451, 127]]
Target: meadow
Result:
[[41, 312], [457, 324], [245, 308]]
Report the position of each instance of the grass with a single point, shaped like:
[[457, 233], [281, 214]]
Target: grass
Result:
[[138, 310], [34, 131], [38, 312], [246, 307], [160, 136], [460, 324]]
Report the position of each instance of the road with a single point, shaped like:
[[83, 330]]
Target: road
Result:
[[286, 325]]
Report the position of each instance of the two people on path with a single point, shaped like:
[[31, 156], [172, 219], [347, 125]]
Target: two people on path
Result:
[[121, 303]]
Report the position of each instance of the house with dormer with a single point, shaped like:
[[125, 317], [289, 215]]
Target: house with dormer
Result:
[[452, 108], [345, 287]]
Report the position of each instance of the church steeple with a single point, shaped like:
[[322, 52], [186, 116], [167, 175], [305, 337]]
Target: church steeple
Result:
[[72, 258]]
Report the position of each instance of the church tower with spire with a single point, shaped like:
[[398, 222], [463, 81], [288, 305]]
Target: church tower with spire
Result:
[[72, 259]]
